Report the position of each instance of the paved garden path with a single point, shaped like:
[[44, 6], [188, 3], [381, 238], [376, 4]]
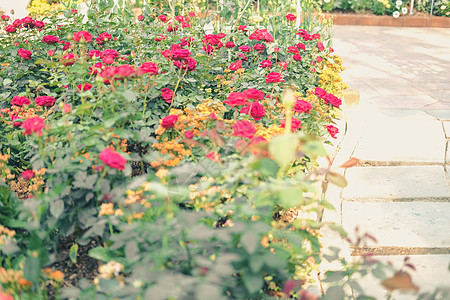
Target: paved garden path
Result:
[[400, 131]]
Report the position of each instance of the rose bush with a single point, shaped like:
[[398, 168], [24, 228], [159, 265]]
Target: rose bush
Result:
[[169, 146]]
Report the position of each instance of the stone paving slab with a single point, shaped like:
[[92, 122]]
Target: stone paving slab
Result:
[[393, 140], [400, 224], [398, 101], [441, 114], [407, 114], [431, 272], [396, 183]]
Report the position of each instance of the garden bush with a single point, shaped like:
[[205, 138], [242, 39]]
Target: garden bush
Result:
[[181, 155]]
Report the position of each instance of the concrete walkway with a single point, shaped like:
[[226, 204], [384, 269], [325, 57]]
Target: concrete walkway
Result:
[[400, 131]]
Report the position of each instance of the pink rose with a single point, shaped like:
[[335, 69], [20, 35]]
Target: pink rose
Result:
[[266, 64], [167, 95], [188, 134], [28, 174], [245, 48], [320, 46], [230, 44], [20, 101], [148, 68], [84, 87], [33, 125], [141, 18], [302, 106], [242, 28], [25, 54], [274, 77], [109, 52], [332, 130], [301, 46], [297, 57], [45, 101], [162, 18], [124, 71], [259, 47], [169, 121], [293, 50], [82, 37], [254, 94], [244, 129], [290, 17], [235, 66], [103, 37], [213, 156], [68, 59], [50, 39], [66, 108], [255, 109], [296, 124], [236, 99], [112, 159]]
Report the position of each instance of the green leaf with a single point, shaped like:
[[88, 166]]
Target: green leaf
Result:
[[290, 197], [57, 208], [253, 282], [256, 262], [7, 81], [334, 292], [32, 268], [283, 148], [249, 241], [334, 276], [40, 61], [337, 179], [100, 253], [73, 253]]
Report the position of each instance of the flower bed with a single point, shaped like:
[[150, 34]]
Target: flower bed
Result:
[[183, 160]]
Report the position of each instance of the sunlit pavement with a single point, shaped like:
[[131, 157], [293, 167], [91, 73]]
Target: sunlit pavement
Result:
[[400, 132]]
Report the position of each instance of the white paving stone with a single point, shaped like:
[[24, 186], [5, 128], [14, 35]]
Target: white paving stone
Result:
[[431, 272], [400, 224], [393, 140], [396, 182], [447, 128]]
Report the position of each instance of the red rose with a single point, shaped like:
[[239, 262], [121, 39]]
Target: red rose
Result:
[[95, 69], [74, 11], [243, 57], [245, 48], [103, 37], [301, 46], [259, 47], [315, 36], [333, 100], [15, 124], [84, 87], [274, 77], [254, 94], [159, 38], [108, 60], [244, 129], [235, 66], [297, 57], [51, 52], [169, 121], [191, 14], [189, 64], [109, 52], [28, 174], [188, 134], [45, 101], [39, 24], [148, 68], [331, 50], [319, 59], [20, 101], [170, 28], [293, 50], [181, 54], [93, 53], [320, 92], [107, 73], [124, 71], [68, 59], [230, 44], [255, 109], [10, 29], [167, 95], [112, 159], [33, 125], [5, 17], [320, 46], [25, 54], [296, 124], [265, 64], [242, 28], [66, 46], [236, 99], [17, 23], [332, 130], [141, 18], [50, 39], [290, 17], [179, 18], [302, 106], [82, 37]]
